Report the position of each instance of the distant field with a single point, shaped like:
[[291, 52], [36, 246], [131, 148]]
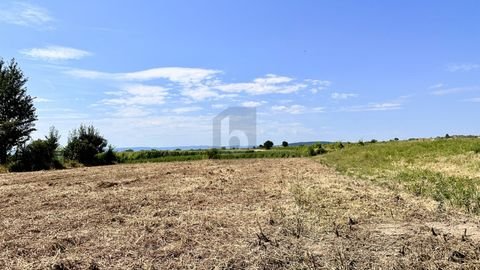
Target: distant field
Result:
[[447, 170], [187, 155], [225, 214]]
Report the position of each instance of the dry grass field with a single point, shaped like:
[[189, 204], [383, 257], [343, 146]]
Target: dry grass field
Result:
[[225, 214]]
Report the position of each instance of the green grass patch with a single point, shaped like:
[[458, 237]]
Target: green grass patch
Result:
[[180, 155], [417, 166]]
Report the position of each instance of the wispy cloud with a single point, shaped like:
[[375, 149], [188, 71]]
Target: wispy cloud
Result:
[[387, 106], [339, 96], [318, 85], [270, 84], [137, 94], [24, 14], [462, 67], [293, 109], [174, 74], [318, 109], [55, 53], [453, 90], [199, 84], [182, 110], [476, 99], [42, 100], [437, 86], [252, 104]]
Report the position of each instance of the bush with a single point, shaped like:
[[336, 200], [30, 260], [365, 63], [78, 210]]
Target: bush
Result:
[[106, 158], [84, 144], [213, 153], [476, 149], [38, 155], [285, 144]]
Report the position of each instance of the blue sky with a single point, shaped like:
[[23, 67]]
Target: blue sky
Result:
[[155, 73]]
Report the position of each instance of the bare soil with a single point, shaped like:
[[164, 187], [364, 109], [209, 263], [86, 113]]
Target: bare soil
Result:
[[232, 214]]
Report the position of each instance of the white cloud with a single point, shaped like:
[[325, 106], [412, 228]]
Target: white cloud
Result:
[[386, 106], [138, 94], [182, 110], [318, 85], [318, 109], [252, 104], [130, 112], [219, 106], [25, 15], [174, 74], [270, 84], [293, 109], [338, 96], [42, 100], [197, 84], [453, 90], [54, 53], [462, 67]]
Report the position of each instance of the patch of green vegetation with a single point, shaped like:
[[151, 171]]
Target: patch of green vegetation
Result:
[[412, 165], [459, 191], [180, 155]]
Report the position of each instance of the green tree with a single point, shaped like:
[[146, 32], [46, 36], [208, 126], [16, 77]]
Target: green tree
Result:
[[38, 155], [268, 144], [285, 144], [84, 144], [17, 113]]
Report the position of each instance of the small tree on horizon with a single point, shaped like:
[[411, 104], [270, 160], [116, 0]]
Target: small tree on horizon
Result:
[[17, 113], [285, 144], [84, 144], [268, 144]]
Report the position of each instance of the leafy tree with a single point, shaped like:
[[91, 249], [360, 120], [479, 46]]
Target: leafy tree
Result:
[[268, 144], [84, 144], [17, 113], [284, 143], [38, 155]]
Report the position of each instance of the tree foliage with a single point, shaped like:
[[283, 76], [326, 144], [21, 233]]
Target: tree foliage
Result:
[[17, 113], [268, 144], [285, 144], [38, 155], [84, 144]]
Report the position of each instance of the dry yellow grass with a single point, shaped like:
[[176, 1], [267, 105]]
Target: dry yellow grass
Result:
[[235, 214]]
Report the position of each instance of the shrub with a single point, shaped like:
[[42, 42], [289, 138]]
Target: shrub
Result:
[[38, 155], [476, 149], [84, 144], [106, 158], [213, 153], [285, 144], [268, 144]]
